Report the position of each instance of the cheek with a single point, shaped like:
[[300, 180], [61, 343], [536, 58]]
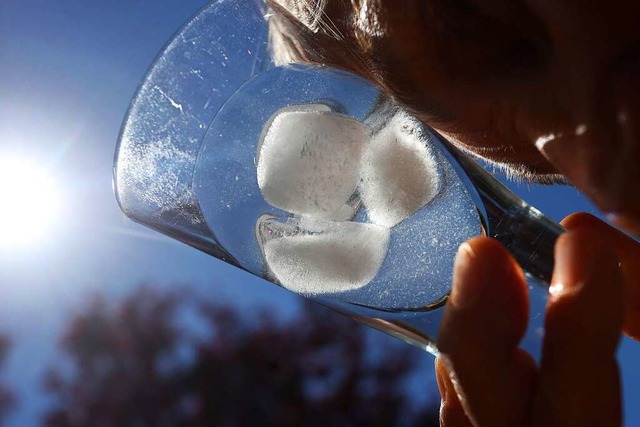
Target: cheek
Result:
[[493, 124], [416, 78], [425, 69]]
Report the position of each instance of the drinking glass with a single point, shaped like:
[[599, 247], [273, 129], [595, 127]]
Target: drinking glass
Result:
[[310, 178]]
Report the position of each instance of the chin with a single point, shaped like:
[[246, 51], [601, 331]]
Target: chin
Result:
[[536, 172]]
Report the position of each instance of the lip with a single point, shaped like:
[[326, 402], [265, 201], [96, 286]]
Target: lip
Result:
[[624, 175], [630, 224], [600, 152]]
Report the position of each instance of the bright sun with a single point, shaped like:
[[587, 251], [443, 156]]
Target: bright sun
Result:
[[29, 202]]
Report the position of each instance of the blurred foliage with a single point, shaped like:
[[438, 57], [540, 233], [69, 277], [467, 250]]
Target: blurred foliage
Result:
[[172, 360], [7, 399]]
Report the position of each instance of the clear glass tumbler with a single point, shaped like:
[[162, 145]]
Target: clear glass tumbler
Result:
[[310, 178]]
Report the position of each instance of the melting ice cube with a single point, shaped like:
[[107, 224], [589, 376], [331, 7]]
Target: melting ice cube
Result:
[[310, 108], [309, 161], [317, 257], [399, 173]]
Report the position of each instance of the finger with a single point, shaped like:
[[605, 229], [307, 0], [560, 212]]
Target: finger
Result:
[[578, 381], [628, 251], [483, 322], [451, 411]]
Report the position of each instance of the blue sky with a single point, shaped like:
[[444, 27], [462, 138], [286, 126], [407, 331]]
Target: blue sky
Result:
[[68, 71]]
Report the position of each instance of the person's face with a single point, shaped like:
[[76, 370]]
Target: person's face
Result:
[[498, 76]]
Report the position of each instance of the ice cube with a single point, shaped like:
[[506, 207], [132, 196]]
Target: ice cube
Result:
[[315, 257], [312, 108], [399, 173], [308, 162]]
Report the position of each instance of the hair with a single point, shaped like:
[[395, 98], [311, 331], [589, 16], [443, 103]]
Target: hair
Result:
[[307, 12], [284, 42], [303, 31]]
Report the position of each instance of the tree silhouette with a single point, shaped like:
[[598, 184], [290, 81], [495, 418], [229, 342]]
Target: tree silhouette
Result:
[[7, 399], [171, 360]]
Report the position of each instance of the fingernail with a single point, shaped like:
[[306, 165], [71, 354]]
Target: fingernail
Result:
[[467, 283], [577, 256], [565, 277], [442, 377], [447, 382], [556, 289]]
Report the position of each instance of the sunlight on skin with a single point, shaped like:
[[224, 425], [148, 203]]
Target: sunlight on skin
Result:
[[29, 203]]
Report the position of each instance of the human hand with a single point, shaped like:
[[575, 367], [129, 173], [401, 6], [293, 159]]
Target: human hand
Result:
[[486, 380]]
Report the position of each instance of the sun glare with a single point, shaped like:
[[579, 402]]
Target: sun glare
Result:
[[29, 202]]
